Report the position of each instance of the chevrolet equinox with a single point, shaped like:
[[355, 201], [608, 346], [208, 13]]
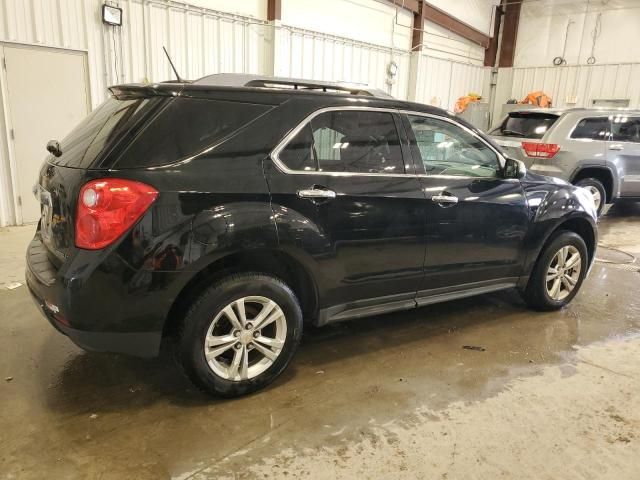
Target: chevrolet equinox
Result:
[[222, 214]]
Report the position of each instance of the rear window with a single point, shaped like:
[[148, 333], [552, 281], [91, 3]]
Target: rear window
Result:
[[525, 125], [186, 127], [101, 130]]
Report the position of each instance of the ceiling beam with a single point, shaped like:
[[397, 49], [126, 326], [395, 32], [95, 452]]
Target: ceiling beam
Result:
[[274, 10], [439, 17], [411, 5], [491, 53], [509, 32], [417, 34]]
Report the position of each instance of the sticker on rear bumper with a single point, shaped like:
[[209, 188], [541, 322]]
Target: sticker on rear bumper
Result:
[[508, 143]]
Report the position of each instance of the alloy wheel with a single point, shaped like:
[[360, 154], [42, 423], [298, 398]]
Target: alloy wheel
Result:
[[595, 194], [245, 338], [563, 272]]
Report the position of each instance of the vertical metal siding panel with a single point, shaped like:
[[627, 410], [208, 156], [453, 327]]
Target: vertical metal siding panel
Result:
[[158, 35], [586, 82], [195, 42], [620, 81], [634, 86], [177, 42], [212, 55], [441, 81]]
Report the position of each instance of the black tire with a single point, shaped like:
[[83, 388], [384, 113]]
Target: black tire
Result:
[[594, 183], [193, 330], [535, 294]]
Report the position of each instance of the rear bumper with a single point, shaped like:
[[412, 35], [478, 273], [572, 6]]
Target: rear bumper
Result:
[[57, 303]]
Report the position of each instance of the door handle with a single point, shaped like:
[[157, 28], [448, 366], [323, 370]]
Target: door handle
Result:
[[316, 193], [616, 146], [441, 199]]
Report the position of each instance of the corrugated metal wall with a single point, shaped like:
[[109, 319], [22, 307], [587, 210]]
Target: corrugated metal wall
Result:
[[441, 81], [201, 41], [582, 83], [313, 55]]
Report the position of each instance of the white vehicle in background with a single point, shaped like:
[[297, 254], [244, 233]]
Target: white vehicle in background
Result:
[[593, 148]]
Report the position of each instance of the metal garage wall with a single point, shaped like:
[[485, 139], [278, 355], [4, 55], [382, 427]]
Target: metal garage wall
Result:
[[200, 40], [577, 86], [313, 55], [441, 82]]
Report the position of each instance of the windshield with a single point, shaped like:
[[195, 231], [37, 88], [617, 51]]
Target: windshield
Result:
[[525, 125]]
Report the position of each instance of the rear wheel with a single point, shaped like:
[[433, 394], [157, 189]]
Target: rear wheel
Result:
[[558, 273], [597, 191], [240, 334]]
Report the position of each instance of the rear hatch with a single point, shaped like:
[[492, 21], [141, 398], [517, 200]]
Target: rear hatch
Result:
[[86, 153], [523, 126]]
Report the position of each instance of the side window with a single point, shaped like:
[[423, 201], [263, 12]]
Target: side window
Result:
[[447, 149], [298, 154], [592, 129], [346, 141], [626, 129]]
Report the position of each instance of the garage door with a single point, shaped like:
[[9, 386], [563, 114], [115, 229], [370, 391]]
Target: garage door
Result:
[[47, 97]]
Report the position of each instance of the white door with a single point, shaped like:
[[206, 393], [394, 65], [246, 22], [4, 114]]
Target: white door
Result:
[[47, 97]]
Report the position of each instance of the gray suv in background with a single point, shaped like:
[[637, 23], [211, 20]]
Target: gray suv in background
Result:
[[592, 148]]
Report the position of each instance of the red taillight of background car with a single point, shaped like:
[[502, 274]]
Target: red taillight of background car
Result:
[[540, 150], [109, 207]]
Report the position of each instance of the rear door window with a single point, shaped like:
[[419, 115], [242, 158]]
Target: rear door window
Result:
[[186, 127], [346, 141], [626, 129], [525, 125], [593, 128]]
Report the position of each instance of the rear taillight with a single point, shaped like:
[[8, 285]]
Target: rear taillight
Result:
[[109, 207], [540, 150]]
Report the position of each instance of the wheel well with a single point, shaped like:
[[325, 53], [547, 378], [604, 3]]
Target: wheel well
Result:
[[583, 228], [270, 262], [603, 174]]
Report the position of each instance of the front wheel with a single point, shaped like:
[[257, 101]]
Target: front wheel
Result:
[[240, 334], [558, 273]]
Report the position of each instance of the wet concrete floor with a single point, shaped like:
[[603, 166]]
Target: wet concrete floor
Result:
[[65, 413]]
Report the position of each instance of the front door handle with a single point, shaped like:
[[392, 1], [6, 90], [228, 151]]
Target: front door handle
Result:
[[317, 193], [616, 146], [442, 200]]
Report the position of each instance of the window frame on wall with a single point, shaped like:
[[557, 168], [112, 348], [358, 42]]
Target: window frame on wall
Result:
[[406, 158], [417, 157]]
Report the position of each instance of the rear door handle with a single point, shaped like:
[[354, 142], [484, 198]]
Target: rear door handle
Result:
[[616, 146], [441, 199], [316, 193]]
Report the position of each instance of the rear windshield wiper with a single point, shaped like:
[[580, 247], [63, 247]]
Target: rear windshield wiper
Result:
[[506, 131]]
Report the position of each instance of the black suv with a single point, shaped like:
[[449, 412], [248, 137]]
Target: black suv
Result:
[[223, 212]]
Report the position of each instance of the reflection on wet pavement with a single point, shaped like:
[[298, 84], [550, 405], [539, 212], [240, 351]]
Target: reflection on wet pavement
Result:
[[67, 413]]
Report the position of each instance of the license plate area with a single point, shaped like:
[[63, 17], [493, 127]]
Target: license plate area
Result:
[[44, 197]]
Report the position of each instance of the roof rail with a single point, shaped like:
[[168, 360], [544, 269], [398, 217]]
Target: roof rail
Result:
[[258, 81]]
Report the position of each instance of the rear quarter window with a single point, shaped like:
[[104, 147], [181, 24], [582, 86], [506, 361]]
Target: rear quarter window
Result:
[[104, 127], [525, 125], [186, 127]]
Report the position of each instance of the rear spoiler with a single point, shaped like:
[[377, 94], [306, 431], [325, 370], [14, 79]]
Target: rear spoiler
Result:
[[137, 90]]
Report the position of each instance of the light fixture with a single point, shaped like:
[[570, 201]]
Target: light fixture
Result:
[[392, 69], [112, 15]]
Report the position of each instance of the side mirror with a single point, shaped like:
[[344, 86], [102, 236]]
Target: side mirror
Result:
[[53, 147], [514, 168]]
